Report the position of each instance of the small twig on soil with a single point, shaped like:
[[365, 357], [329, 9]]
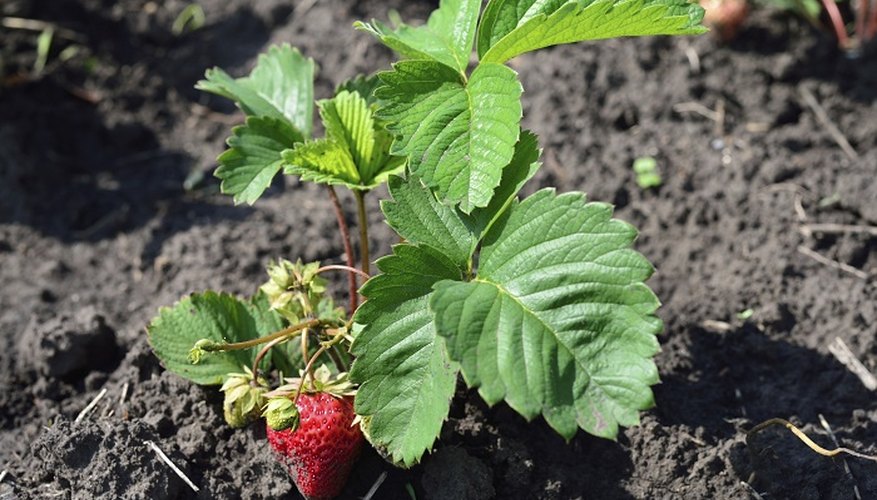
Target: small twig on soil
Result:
[[845, 356], [20, 23], [799, 208], [693, 59], [3, 475], [718, 326], [846, 464], [170, 464], [830, 127], [841, 229], [114, 217], [833, 263], [85, 411], [755, 494], [378, 482], [697, 108], [348, 248], [124, 394], [806, 440]]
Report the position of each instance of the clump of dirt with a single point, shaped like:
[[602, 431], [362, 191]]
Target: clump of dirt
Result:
[[108, 211]]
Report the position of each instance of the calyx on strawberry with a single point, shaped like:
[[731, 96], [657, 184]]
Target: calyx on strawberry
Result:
[[322, 446]]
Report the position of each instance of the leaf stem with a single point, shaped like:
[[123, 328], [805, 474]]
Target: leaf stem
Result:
[[363, 230], [338, 267], [837, 23], [348, 248], [264, 351], [336, 358], [236, 346]]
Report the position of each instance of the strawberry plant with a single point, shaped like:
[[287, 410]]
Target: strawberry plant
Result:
[[540, 303]]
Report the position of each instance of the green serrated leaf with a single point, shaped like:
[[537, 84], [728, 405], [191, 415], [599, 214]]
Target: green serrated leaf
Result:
[[523, 166], [209, 315], [324, 161], [512, 27], [418, 217], [254, 157], [363, 85], [406, 380], [458, 135], [447, 37], [355, 152], [558, 320], [281, 86]]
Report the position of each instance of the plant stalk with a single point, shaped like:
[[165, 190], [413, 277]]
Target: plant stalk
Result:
[[837, 23], [310, 366], [363, 230], [263, 352], [348, 248], [246, 344], [338, 267]]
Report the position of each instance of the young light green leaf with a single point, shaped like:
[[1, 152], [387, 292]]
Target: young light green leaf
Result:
[[355, 152], [254, 157], [213, 316], [418, 217], [512, 27], [447, 37], [458, 135], [558, 320], [324, 161], [281, 86], [406, 379]]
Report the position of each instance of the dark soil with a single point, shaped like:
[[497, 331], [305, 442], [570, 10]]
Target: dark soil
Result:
[[108, 211]]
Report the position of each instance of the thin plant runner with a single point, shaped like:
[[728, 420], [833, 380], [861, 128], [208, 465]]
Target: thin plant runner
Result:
[[540, 302]]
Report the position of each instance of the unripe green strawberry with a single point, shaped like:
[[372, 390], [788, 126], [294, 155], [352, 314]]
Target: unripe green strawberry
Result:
[[243, 399], [321, 451]]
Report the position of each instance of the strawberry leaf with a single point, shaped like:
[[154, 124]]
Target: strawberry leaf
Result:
[[355, 152], [281, 86], [406, 379], [418, 217], [254, 157], [447, 37], [458, 134], [218, 317], [512, 27], [558, 320]]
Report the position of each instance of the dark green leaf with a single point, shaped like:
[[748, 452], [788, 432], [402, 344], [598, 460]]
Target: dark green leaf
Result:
[[213, 316], [406, 379], [558, 320], [281, 86], [447, 37], [512, 27], [458, 135], [254, 157]]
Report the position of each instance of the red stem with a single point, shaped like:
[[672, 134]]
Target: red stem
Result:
[[871, 29], [348, 249], [861, 15], [837, 23]]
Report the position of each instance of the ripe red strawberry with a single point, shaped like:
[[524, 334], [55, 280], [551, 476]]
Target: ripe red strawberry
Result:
[[321, 450]]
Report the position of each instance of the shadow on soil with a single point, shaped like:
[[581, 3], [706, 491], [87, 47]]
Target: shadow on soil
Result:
[[736, 379], [77, 169]]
